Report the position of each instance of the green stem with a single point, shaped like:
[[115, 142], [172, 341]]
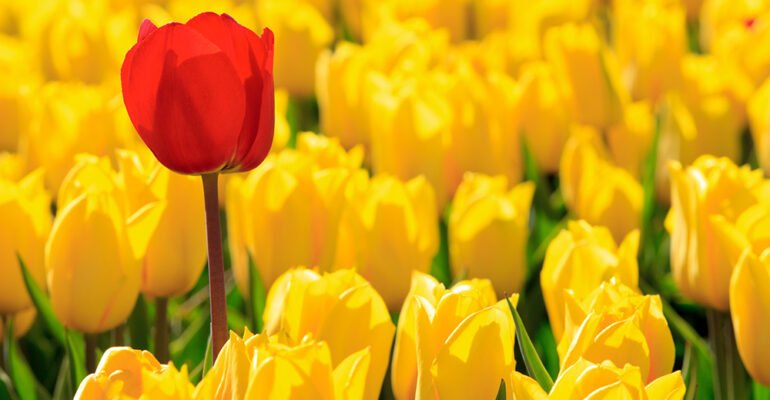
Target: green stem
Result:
[[161, 329], [90, 352], [730, 379], [216, 267]]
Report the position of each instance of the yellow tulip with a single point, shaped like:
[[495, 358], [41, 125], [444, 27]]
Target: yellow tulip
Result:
[[759, 120], [650, 41], [303, 302], [542, 114], [618, 324], [328, 152], [452, 343], [258, 366], [585, 379], [488, 230], [11, 166], [301, 35], [20, 81], [126, 373], [595, 189], [579, 259], [587, 73], [282, 130], [489, 16], [742, 29], [707, 199], [22, 322], [630, 141], [388, 230], [749, 303], [176, 251], [25, 212]]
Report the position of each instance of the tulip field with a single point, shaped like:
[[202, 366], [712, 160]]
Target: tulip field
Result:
[[384, 199]]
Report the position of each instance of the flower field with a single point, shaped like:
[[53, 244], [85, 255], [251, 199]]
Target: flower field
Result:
[[385, 199]]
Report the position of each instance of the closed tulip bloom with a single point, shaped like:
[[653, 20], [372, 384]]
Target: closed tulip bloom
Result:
[[25, 212], [12, 166], [759, 120], [601, 381], [488, 230], [736, 41], [630, 141], [211, 68], [388, 230], [126, 373], [22, 322], [303, 302], [452, 343], [597, 190], [176, 251], [587, 73], [579, 259], [618, 324], [706, 199], [303, 34], [749, 304], [16, 57]]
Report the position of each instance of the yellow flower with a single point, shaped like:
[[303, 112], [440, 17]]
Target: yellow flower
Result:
[[452, 343], [488, 231], [630, 141], [388, 229], [20, 79], [707, 199], [176, 252], [737, 35], [11, 166], [22, 322], [616, 323], [587, 74], [542, 114], [286, 212], [749, 304], [282, 129], [604, 380], [579, 259], [126, 373], [303, 302], [597, 190], [25, 212], [759, 119], [301, 35]]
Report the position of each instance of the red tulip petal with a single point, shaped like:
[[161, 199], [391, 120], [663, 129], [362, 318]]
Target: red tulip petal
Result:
[[145, 29], [184, 98]]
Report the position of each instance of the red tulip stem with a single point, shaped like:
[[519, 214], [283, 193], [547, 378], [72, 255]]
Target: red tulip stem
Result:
[[216, 264]]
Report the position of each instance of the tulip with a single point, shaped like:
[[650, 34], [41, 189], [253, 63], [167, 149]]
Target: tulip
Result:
[[597, 190], [25, 212], [388, 230], [303, 302], [490, 16], [758, 110], [488, 230], [579, 259], [22, 322], [749, 304], [735, 40], [452, 343], [587, 74], [630, 141], [228, 88], [126, 373], [258, 366], [542, 114], [12, 166], [93, 288], [282, 129], [15, 61], [707, 198], [303, 34], [450, 15], [604, 380], [616, 323]]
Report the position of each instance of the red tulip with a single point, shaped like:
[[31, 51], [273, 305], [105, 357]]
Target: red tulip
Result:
[[200, 94]]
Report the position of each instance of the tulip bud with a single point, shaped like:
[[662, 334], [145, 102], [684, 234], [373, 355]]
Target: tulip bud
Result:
[[488, 230], [542, 114], [132, 374], [302, 302], [616, 323], [597, 190], [25, 212], [18, 84], [707, 198], [452, 343], [737, 37], [388, 230], [630, 141], [303, 34], [22, 322], [749, 287], [587, 74], [579, 259], [759, 110]]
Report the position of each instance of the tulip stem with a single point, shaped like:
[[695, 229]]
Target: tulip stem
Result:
[[161, 329], [90, 352], [730, 378], [216, 265]]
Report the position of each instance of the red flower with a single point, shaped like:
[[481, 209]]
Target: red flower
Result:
[[201, 95]]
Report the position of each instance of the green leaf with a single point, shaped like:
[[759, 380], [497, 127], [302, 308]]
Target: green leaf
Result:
[[257, 296], [23, 381], [760, 392], [76, 354], [535, 367], [6, 387], [63, 389], [42, 304], [440, 268], [207, 358], [501, 394]]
